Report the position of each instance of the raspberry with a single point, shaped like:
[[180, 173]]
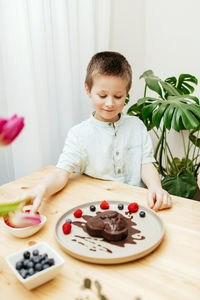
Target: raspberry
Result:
[[133, 207], [78, 213], [67, 228], [104, 205]]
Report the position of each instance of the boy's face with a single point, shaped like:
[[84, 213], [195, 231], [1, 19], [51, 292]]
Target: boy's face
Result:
[[108, 95]]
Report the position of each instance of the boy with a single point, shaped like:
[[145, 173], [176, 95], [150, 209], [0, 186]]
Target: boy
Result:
[[108, 145]]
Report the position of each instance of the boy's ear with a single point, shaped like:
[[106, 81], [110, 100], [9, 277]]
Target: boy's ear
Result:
[[87, 89]]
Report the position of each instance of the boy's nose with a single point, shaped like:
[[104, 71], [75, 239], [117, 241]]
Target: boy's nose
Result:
[[109, 101]]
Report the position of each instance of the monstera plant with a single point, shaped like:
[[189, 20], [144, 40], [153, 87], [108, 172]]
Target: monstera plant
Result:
[[173, 107]]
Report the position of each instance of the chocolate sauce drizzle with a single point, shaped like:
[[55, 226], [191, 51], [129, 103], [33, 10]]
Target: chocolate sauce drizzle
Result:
[[130, 239]]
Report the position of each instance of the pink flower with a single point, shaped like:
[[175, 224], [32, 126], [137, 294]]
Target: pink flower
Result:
[[10, 128]]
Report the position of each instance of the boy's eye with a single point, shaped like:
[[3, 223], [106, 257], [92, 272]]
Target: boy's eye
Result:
[[104, 96]]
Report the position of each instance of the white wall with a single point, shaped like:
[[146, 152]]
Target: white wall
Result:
[[128, 37], [172, 44], [158, 35]]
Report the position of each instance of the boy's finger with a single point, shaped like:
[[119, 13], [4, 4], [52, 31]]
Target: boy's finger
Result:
[[164, 201], [151, 199], [36, 205], [158, 203]]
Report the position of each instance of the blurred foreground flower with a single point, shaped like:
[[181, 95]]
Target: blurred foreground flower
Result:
[[6, 208], [15, 217], [10, 128], [22, 219]]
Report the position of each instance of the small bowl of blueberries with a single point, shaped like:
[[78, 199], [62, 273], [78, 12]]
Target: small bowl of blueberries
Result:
[[35, 265]]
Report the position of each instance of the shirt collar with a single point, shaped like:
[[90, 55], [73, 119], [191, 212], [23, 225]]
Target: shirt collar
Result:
[[94, 121]]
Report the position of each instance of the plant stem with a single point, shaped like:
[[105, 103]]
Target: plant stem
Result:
[[156, 133], [165, 152], [185, 152], [194, 151], [188, 151], [145, 90], [183, 142], [198, 151], [171, 156], [161, 151], [172, 161]]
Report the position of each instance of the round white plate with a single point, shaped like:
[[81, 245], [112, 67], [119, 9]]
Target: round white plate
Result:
[[147, 234]]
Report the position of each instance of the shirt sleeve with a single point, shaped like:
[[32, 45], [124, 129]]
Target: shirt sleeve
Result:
[[71, 155], [147, 148]]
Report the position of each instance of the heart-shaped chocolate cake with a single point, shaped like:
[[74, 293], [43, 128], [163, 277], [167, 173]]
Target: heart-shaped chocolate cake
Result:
[[110, 225]]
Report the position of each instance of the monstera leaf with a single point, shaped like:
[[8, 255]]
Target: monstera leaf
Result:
[[136, 111], [178, 112], [183, 185], [127, 99], [182, 84], [152, 82]]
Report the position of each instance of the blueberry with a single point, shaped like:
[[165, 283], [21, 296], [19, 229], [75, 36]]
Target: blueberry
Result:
[[142, 214], [30, 264], [31, 271], [23, 273], [25, 263], [35, 252], [26, 254], [68, 221], [51, 261], [36, 259], [45, 266], [19, 265], [45, 255], [45, 261], [38, 267], [40, 258], [120, 206], [92, 208]]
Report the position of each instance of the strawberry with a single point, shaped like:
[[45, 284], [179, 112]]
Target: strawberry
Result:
[[8, 223], [66, 228], [133, 207], [104, 205], [78, 213], [28, 210]]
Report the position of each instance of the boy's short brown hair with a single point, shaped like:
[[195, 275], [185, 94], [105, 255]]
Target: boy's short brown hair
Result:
[[108, 63]]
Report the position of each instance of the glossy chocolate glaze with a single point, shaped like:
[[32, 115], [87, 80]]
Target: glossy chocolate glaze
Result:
[[130, 239], [110, 225]]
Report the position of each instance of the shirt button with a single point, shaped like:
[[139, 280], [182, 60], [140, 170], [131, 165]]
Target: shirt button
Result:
[[119, 171], [109, 124], [117, 153]]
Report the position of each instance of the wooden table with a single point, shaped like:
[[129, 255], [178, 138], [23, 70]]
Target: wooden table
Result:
[[172, 271]]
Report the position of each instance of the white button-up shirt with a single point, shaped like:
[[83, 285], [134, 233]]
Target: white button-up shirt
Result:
[[110, 151]]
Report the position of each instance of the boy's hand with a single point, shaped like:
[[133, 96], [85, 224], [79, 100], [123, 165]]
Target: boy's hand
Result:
[[159, 199], [36, 194], [51, 184]]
